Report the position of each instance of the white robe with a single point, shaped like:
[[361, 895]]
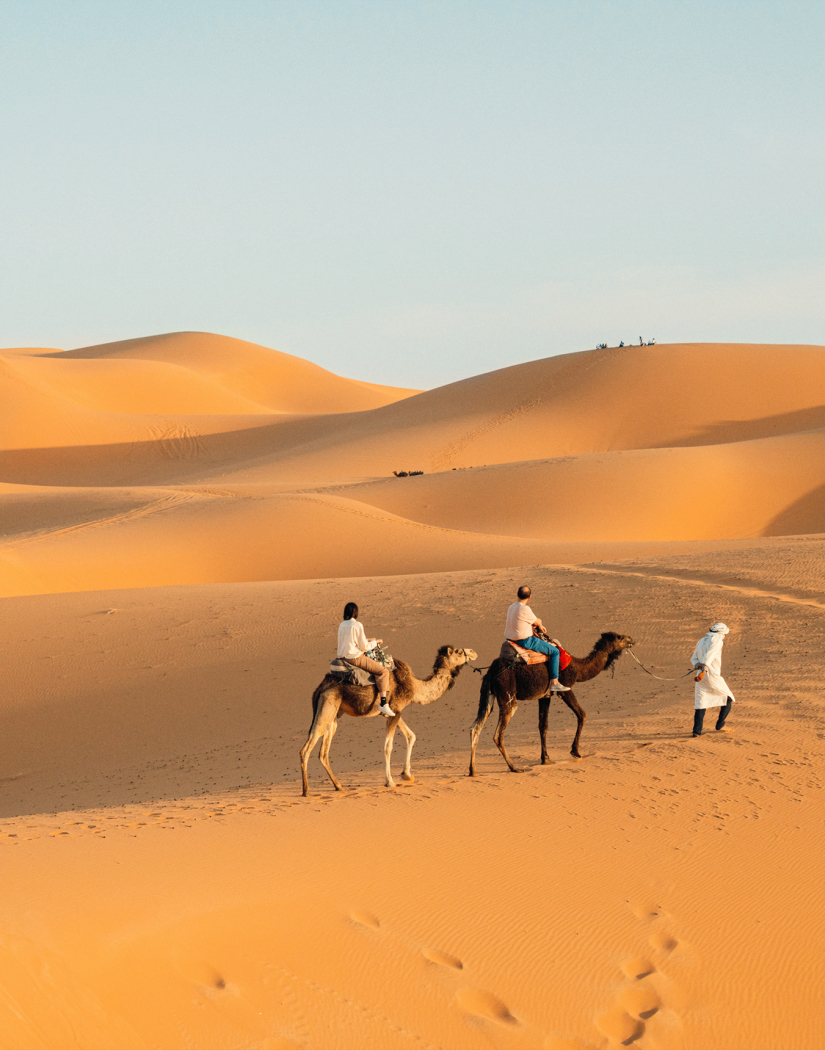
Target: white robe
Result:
[[713, 690]]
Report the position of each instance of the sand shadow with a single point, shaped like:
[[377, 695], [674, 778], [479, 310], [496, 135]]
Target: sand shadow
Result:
[[165, 460], [807, 514], [733, 430]]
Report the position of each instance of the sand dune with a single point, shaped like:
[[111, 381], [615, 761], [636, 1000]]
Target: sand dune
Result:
[[66, 540], [207, 498], [201, 383], [212, 505], [747, 488], [264, 377], [573, 404]]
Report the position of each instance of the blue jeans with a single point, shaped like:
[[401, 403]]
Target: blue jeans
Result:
[[538, 645]]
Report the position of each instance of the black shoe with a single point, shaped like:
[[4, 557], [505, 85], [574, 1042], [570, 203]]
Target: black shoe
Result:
[[697, 734]]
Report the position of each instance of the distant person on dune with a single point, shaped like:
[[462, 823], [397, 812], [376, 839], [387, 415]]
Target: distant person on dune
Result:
[[352, 647], [711, 689], [519, 629]]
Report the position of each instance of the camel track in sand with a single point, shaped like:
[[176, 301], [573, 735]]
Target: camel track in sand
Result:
[[750, 592], [174, 499]]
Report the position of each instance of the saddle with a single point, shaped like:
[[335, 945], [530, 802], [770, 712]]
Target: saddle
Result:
[[511, 652], [349, 674]]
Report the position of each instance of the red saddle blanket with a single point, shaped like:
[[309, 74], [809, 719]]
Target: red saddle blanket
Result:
[[530, 656]]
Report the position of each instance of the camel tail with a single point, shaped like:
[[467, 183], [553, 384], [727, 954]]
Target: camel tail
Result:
[[486, 701], [316, 696]]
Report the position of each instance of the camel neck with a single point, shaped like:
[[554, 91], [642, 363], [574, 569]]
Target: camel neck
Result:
[[433, 687], [591, 665]]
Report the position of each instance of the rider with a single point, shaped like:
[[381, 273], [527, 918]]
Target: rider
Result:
[[519, 629], [353, 644]]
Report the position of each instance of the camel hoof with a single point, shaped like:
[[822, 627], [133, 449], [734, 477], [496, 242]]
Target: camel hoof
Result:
[[517, 769], [408, 777], [575, 754]]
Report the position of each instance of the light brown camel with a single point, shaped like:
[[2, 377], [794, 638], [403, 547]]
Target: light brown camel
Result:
[[509, 682], [332, 699]]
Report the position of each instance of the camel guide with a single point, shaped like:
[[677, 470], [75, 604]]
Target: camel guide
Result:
[[519, 628], [711, 689], [352, 647]]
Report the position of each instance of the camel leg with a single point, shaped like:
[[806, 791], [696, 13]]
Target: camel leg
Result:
[[325, 716], [409, 736], [392, 725], [485, 708], [580, 714], [544, 711], [506, 712], [326, 741]]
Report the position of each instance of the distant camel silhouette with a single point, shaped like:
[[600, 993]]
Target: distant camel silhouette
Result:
[[334, 698], [507, 683]]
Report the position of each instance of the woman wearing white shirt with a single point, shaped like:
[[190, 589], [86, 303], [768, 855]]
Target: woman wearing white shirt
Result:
[[352, 645]]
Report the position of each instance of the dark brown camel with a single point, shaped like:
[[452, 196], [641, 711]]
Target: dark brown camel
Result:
[[332, 699], [508, 683]]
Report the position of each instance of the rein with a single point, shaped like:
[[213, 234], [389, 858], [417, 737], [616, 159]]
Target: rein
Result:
[[652, 675], [659, 678]]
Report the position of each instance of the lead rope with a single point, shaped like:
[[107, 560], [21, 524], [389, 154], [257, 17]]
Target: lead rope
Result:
[[652, 675]]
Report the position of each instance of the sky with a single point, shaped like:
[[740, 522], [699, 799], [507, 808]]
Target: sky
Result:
[[412, 192]]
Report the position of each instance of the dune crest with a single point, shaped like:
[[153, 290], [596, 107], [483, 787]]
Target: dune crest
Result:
[[277, 381]]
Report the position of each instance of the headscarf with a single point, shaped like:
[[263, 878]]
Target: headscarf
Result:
[[719, 628]]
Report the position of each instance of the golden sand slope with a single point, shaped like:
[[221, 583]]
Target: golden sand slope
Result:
[[256, 465], [114, 392], [574, 404], [165, 885], [280, 382]]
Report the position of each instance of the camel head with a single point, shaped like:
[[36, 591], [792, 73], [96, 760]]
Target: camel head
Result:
[[613, 644], [453, 660]]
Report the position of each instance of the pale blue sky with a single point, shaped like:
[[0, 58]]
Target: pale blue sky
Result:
[[412, 192]]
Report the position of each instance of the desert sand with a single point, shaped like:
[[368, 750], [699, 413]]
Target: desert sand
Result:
[[184, 517]]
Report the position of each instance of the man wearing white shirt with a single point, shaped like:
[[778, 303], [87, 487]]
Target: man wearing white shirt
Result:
[[519, 629]]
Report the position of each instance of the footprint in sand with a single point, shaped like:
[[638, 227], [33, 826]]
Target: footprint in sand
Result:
[[663, 942], [619, 1026], [442, 958], [647, 913], [484, 1005], [640, 1000], [365, 918], [637, 968]]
